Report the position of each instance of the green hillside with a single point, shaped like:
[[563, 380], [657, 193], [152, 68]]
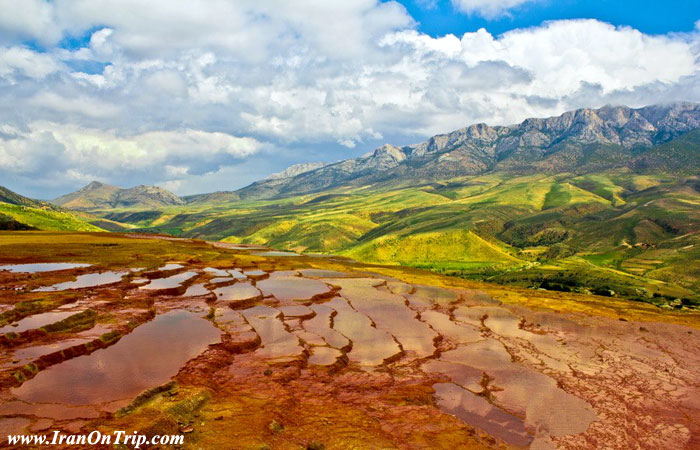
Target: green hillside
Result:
[[602, 201], [23, 217], [21, 213], [455, 249], [611, 233]]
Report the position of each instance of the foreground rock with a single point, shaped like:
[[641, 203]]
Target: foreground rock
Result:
[[292, 352]]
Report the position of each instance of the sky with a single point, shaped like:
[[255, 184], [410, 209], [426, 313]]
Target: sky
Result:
[[207, 95]]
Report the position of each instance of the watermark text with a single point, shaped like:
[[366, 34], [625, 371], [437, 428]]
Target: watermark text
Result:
[[96, 437]]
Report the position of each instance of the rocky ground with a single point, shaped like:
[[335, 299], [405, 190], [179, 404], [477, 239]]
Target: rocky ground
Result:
[[237, 347]]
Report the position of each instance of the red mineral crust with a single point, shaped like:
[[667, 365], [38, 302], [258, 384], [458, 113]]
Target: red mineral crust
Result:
[[237, 348]]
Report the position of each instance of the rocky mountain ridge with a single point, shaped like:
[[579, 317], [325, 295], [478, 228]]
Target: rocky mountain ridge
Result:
[[580, 141], [296, 169], [577, 141]]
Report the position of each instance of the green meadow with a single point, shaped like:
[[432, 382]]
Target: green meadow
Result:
[[613, 233], [22, 217]]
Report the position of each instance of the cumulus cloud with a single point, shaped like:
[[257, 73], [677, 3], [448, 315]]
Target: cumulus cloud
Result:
[[18, 62], [48, 149], [488, 8], [33, 19], [81, 106], [204, 95], [563, 54]]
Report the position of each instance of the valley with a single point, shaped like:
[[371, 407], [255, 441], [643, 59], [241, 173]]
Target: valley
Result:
[[612, 233], [593, 201]]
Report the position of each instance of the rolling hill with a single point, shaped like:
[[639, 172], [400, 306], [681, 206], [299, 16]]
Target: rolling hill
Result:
[[602, 201], [22, 213], [97, 195]]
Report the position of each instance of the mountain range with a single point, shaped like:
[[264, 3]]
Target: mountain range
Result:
[[581, 141]]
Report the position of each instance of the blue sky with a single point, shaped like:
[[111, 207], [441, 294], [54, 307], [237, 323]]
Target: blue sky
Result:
[[440, 17], [199, 96]]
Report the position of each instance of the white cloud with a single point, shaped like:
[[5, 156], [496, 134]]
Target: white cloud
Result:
[[288, 74], [563, 54], [488, 8], [81, 105], [172, 185], [32, 19], [48, 148], [18, 61], [154, 148]]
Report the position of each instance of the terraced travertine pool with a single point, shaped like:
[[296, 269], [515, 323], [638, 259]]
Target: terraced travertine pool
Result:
[[147, 357], [337, 354], [87, 280], [41, 267], [36, 321]]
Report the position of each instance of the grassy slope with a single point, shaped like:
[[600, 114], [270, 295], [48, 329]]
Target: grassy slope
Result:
[[613, 231], [45, 218], [451, 248]]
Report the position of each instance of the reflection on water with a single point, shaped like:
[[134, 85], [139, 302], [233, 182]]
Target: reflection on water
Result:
[[389, 313], [276, 253], [322, 273], [238, 246], [42, 267], [147, 357], [255, 273], [485, 355], [463, 375], [460, 333], [237, 292], [293, 288], [196, 290], [29, 354], [284, 274], [572, 415], [437, 295], [296, 311], [370, 346], [479, 413], [518, 389], [37, 321], [237, 274], [169, 283], [216, 272], [221, 280], [171, 266], [85, 281], [324, 356], [277, 342], [320, 325]]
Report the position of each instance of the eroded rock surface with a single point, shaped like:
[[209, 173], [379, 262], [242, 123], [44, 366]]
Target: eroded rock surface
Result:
[[338, 356]]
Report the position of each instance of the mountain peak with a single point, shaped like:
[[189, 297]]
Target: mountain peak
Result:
[[94, 185], [389, 150], [296, 169], [97, 195], [581, 140]]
